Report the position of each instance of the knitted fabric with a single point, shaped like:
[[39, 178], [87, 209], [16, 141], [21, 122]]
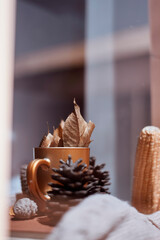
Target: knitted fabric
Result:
[[101, 217]]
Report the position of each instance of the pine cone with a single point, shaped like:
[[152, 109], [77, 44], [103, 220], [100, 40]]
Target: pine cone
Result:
[[23, 178], [99, 178], [25, 208], [71, 178], [74, 182]]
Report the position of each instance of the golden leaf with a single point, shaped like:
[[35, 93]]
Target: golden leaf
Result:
[[60, 128], [81, 122], [56, 139], [46, 140], [76, 131], [71, 131], [85, 138], [57, 136]]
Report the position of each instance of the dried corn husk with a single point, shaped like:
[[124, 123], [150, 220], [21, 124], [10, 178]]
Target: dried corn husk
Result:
[[146, 182]]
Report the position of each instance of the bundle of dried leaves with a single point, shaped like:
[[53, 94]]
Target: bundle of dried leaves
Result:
[[74, 132]]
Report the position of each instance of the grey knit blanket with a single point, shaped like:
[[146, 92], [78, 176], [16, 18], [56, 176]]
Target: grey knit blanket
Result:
[[101, 217]]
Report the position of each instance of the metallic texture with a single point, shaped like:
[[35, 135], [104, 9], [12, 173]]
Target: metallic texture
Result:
[[40, 169]]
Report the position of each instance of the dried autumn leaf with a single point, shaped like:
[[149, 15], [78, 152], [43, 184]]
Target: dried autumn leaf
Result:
[[76, 131], [57, 136], [60, 128], [60, 144], [85, 138], [81, 122], [60, 131], [46, 140], [56, 139], [70, 133]]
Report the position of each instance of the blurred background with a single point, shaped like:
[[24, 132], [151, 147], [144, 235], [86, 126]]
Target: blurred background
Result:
[[95, 51]]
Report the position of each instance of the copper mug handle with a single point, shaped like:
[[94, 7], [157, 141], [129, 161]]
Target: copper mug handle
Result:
[[33, 185]]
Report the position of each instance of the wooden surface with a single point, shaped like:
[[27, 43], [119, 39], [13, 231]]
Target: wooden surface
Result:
[[36, 228]]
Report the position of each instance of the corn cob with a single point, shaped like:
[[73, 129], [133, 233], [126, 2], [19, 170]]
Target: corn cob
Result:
[[146, 181]]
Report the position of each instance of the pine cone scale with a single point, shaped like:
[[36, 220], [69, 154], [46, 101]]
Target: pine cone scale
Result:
[[75, 179]]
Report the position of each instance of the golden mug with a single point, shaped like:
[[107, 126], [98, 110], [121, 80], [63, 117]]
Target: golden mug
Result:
[[39, 170]]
